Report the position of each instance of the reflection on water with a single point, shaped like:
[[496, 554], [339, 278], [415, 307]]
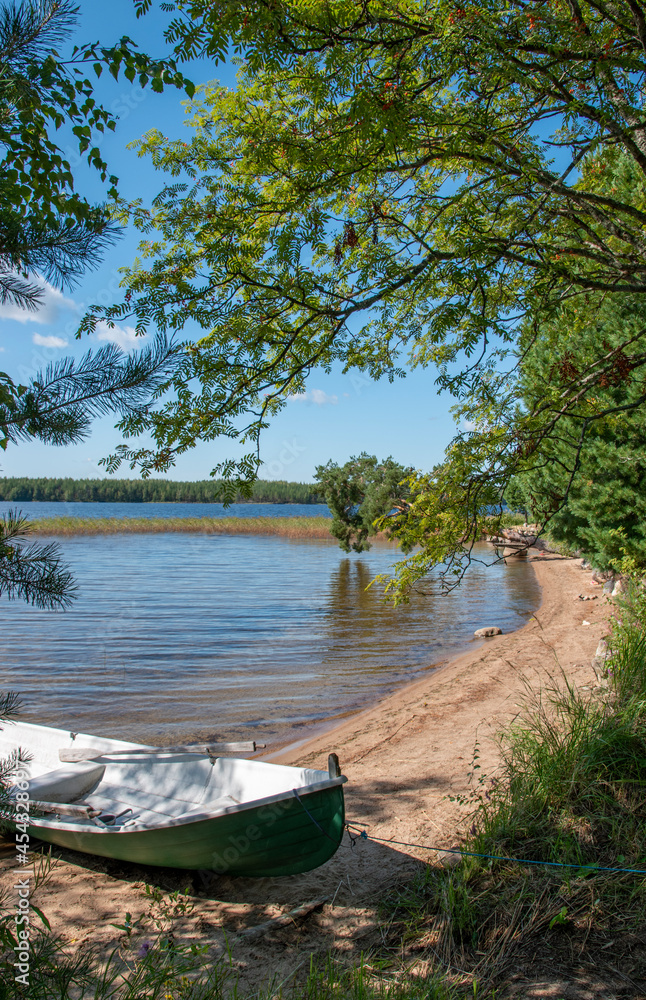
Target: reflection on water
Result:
[[178, 637]]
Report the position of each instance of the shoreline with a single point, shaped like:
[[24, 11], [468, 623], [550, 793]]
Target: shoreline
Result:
[[455, 669], [410, 762], [288, 751], [339, 726]]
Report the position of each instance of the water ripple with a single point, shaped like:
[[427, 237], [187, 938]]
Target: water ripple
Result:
[[177, 637]]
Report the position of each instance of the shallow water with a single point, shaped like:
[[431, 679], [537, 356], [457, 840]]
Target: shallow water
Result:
[[178, 637]]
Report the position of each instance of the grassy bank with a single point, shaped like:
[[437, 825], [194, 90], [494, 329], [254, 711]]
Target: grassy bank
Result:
[[288, 527], [570, 790]]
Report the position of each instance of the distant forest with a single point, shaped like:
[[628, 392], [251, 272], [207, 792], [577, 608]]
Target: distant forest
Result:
[[146, 491]]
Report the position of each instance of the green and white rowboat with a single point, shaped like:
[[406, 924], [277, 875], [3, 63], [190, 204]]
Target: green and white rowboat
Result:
[[178, 809]]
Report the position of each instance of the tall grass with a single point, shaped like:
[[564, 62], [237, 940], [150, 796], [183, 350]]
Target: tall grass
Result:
[[287, 527]]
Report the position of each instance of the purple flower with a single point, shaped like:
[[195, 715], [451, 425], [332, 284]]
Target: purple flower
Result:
[[144, 948]]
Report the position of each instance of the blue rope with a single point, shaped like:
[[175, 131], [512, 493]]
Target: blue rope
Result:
[[497, 857]]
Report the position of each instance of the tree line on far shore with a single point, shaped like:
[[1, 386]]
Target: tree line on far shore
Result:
[[23, 489]]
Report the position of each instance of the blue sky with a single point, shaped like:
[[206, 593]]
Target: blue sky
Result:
[[341, 415]]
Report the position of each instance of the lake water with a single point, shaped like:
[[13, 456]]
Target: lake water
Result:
[[180, 637], [46, 509]]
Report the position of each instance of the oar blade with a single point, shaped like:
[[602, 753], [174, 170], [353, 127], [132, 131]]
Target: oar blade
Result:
[[77, 754]]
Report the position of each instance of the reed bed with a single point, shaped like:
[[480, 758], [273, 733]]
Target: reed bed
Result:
[[287, 527]]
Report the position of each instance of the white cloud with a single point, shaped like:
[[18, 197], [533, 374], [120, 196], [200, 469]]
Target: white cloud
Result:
[[53, 303], [50, 341], [124, 337], [1, 349], [315, 396]]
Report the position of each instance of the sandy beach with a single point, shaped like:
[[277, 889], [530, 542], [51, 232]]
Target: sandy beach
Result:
[[404, 759]]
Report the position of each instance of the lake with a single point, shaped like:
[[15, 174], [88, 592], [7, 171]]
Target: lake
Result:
[[37, 509], [180, 637]]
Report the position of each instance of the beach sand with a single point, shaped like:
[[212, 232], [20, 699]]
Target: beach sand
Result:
[[403, 757]]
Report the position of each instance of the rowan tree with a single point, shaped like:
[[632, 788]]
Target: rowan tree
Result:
[[392, 184]]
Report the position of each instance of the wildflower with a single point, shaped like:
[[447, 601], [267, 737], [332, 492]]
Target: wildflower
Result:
[[144, 949]]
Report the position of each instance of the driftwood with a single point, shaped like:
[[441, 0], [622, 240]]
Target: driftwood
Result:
[[515, 543], [284, 920]]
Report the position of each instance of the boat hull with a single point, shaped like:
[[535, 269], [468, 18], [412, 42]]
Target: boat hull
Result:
[[285, 837]]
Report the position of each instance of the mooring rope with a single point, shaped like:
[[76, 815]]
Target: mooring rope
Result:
[[363, 835]]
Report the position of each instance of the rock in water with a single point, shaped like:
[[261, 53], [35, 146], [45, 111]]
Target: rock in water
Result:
[[485, 633]]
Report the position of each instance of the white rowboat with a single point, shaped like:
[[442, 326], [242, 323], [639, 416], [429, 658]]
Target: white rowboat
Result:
[[177, 808]]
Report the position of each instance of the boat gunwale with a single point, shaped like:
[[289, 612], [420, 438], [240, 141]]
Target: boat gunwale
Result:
[[187, 818]]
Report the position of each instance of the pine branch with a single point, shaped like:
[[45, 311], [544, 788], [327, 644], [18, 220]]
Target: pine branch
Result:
[[32, 572], [60, 404], [17, 290], [61, 253], [29, 30]]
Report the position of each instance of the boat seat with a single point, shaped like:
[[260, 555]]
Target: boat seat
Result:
[[149, 810], [66, 784]]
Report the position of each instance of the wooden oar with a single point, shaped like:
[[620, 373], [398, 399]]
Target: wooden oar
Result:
[[75, 756], [65, 809]]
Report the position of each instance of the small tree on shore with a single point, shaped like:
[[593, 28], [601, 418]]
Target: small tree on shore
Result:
[[361, 492]]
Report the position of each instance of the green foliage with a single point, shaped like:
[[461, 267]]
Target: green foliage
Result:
[[586, 478], [385, 187], [569, 791], [516, 497], [572, 782], [166, 969], [360, 493], [33, 572], [59, 404], [365, 981], [10, 705], [58, 407], [149, 491], [46, 225]]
